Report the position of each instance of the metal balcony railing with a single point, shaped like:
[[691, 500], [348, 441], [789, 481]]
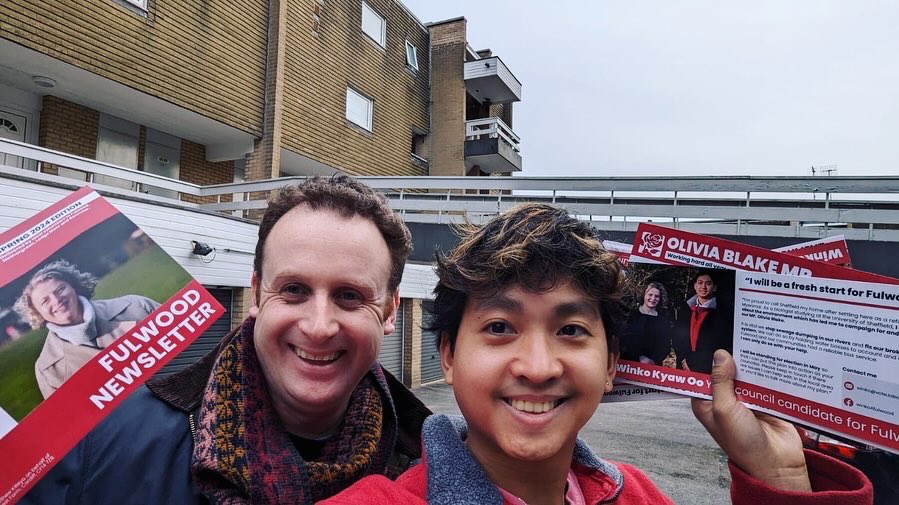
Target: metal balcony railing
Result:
[[491, 127], [861, 208]]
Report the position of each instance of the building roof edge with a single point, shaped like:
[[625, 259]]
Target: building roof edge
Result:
[[446, 21]]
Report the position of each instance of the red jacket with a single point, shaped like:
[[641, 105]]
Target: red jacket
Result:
[[448, 476]]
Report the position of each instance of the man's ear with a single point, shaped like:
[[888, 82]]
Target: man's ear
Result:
[[613, 367], [254, 286], [393, 306], [446, 359]]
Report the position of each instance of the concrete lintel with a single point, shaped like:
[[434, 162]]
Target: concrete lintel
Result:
[[19, 63]]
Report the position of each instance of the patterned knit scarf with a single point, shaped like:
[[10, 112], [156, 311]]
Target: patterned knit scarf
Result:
[[243, 454]]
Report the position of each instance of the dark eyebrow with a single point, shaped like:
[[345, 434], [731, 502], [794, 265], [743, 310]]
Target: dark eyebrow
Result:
[[580, 308], [499, 302]]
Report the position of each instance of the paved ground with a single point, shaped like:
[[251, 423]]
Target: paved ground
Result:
[[660, 437]]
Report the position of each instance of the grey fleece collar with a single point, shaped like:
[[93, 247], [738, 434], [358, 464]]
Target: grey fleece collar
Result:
[[455, 476]]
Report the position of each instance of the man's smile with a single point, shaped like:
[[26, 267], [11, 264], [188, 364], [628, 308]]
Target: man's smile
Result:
[[317, 359], [533, 407]]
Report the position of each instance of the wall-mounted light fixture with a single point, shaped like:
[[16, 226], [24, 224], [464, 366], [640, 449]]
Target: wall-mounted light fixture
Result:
[[201, 248]]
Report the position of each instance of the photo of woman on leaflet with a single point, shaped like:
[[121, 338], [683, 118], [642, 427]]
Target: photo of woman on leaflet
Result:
[[647, 338], [70, 305]]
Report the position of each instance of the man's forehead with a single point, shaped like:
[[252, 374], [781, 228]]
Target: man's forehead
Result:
[[295, 222], [566, 299], [282, 254]]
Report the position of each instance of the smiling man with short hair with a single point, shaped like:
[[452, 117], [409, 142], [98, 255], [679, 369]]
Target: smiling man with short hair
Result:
[[290, 408], [702, 327]]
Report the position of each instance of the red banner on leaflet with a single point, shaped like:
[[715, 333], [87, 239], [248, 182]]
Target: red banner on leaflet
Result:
[[669, 379], [91, 307], [858, 427], [658, 244], [621, 251], [833, 250], [63, 221]]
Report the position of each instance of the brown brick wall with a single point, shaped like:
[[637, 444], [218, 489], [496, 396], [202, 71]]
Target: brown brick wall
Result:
[[205, 56], [502, 111], [240, 305], [448, 96], [141, 146], [196, 169], [67, 127], [265, 160], [327, 52]]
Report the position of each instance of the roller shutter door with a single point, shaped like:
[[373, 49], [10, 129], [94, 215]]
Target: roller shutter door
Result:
[[208, 340], [430, 353], [391, 356]]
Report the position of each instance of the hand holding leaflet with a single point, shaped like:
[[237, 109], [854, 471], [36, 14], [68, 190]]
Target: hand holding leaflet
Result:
[[763, 446], [817, 346]]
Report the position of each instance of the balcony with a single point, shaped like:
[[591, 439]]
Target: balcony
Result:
[[490, 80], [491, 146]]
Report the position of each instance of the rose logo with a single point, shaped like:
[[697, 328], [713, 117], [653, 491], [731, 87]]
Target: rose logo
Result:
[[652, 243]]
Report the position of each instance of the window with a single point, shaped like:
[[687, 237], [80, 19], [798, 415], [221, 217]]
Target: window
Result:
[[358, 108], [12, 126], [140, 4], [411, 56], [418, 144], [373, 25]]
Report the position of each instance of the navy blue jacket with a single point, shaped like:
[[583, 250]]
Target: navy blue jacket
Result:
[[102, 467], [141, 452]]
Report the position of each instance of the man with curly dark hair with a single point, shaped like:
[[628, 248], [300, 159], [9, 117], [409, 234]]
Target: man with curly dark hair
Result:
[[528, 313]]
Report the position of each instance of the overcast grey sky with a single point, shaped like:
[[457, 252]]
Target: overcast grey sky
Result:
[[695, 87]]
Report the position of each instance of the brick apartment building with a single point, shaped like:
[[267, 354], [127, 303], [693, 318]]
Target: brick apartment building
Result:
[[213, 92], [219, 92]]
